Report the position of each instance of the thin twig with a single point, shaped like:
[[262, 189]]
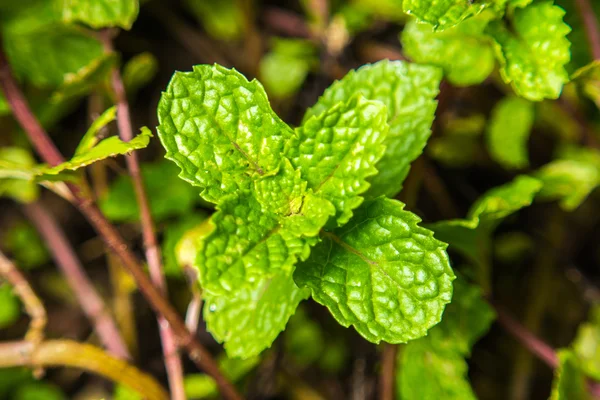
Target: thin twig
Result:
[[388, 372], [33, 305], [87, 296], [67, 353], [111, 236], [153, 257], [591, 26]]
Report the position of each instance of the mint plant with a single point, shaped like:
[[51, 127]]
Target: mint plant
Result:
[[421, 172]]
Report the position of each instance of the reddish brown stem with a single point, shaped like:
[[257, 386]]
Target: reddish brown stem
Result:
[[591, 26], [537, 347], [388, 371], [153, 257], [66, 259], [111, 236]]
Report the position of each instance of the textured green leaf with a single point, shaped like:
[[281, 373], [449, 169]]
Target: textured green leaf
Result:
[[443, 14], [534, 50], [408, 91], [220, 129], [381, 273], [294, 56], [139, 71], [100, 13], [16, 174], [464, 52], [86, 78], [434, 367], [249, 321], [569, 381], [10, 307], [90, 138], [222, 19], [249, 243], [42, 50], [111, 147], [337, 150], [120, 203], [23, 243], [587, 345], [571, 177], [508, 132]]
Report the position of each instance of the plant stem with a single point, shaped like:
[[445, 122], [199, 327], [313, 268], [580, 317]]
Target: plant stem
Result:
[[66, 259], [67, 353], [591, 26], [111, 236], [152, 251], [33, 305], [388, 372]]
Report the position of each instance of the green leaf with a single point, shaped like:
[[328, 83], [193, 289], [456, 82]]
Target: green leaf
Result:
[[86, 78], [222, 19], [101, 13], [173, 234], [249, 321], [10, 307], [220, 130], [588, 79], [434, 367], [201, 386], [303, 339], [22, 241], [571, 177], [337, 150], [587, 345], [16, 176], [444, 14], [42, 50], [408, 91], [294, 56], [249, 243], [464, 52], [472, 236], [120, 203], [569, 381], [39, 391], [508, 132], [534, 50], [381, 273], [90, 138], [111, 147], [139, 71]]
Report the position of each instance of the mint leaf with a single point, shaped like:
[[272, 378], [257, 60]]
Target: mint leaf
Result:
[[173, 234], [294, 56], [101, 13], [381, 273], [249, 321], [250, 243], [220, 130], [337, 151], [111, 147], [571, 177], [22, 241], [90, 138], [85, 79], [408, 91], [439, 358], [444, 14], [534, 50], [588, 79], [464, 52], [587, 345], [120, 203], [16, 174], [508, 132], [139, 71], [569, 381]]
